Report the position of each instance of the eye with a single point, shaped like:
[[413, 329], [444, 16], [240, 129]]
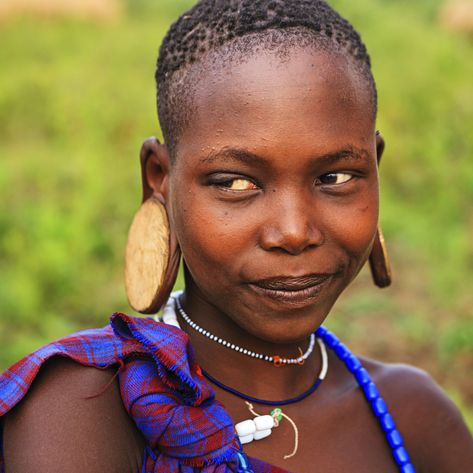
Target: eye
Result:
[[334, 178], [238, 185], [235, 185]]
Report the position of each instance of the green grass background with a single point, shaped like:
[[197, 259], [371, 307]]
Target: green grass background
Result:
[[76, 101]]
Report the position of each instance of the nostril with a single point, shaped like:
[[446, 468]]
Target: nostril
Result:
[[287, 244]]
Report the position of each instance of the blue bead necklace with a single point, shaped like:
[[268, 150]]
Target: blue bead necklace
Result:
[[371, 393]]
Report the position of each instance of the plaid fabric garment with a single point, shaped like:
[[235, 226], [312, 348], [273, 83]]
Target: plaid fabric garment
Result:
[[186, 428]]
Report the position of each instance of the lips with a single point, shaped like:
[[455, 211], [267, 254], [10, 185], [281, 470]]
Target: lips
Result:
[[299, 290]]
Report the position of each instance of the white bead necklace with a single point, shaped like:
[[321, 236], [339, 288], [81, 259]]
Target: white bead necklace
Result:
[[275, 359]]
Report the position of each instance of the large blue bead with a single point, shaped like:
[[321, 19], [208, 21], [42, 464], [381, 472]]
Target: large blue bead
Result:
[[401, 456], [331, 340], [407, 468], [387, 422], [362, 377], [321, 331], [379, 407], [371, 391], [353, 363], [342, 351], [394, 438]]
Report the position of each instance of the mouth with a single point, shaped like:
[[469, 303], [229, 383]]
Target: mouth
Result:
[[296, 291]]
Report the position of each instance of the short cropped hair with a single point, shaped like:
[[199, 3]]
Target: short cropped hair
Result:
[[246, 25]]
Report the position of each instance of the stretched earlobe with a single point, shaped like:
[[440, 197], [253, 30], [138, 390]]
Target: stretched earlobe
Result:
[[380, 145], [380, 264], [152, 253]]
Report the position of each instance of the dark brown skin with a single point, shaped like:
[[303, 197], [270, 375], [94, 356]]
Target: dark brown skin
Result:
[[56, 429], [275, 176]]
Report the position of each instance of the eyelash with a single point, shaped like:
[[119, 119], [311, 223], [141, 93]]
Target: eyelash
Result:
[[225, 182]]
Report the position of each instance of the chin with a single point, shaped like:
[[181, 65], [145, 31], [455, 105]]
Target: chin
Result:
[[289, 327]]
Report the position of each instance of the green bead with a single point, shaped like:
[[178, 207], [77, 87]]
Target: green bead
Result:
[[277, 413]]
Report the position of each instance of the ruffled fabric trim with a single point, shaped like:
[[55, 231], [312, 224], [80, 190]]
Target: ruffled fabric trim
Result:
[[172, 404]]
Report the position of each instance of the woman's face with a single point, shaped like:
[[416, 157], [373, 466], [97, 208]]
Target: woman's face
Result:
[[274, 191]]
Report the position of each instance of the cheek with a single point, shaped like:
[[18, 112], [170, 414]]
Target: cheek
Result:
[[208, 235], [354, 227]]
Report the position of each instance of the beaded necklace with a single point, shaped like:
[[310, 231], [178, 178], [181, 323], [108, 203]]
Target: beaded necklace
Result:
[[275, 359], [354, 366], [371, 393]]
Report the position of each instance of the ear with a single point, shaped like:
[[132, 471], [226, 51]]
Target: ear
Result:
[[380, 145], [155, 167]]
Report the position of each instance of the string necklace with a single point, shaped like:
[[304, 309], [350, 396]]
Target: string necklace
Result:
[[275, 359], [261, 427]]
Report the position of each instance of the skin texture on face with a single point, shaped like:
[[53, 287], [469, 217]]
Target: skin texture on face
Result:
[[276, 177]]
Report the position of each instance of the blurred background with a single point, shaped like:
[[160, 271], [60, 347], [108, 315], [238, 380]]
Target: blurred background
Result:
[[77, 97]]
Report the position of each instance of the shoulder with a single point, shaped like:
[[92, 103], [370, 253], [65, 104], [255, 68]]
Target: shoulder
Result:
[[433, 428], [412, 393], [99, 348], [72, 419], [400, 382]]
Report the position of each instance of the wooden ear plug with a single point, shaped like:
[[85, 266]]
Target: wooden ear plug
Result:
[[152, 258]]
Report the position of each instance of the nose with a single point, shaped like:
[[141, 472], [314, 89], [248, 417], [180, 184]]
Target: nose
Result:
[[291, 226]]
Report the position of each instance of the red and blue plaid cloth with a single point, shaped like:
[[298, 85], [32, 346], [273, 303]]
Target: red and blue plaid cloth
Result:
[[186, 428]]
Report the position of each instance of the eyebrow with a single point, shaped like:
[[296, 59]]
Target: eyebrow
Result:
[[348, 153], [236, 154]]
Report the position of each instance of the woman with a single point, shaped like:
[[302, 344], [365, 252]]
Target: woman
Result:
[[268, 179]]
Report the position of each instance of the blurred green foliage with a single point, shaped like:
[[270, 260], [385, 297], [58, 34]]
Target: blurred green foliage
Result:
[[76, 101]]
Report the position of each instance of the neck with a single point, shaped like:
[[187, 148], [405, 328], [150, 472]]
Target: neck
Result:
[[249, 375]]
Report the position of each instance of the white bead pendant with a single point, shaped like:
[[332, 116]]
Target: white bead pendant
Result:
[[264, 422], [262, 434], [247, 427], [254, 429], [246, 439]]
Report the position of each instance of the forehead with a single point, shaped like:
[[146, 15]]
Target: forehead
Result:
[[304, 96]]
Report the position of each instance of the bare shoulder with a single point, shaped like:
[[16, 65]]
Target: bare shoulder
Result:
[[72, 420], [433, 427]]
